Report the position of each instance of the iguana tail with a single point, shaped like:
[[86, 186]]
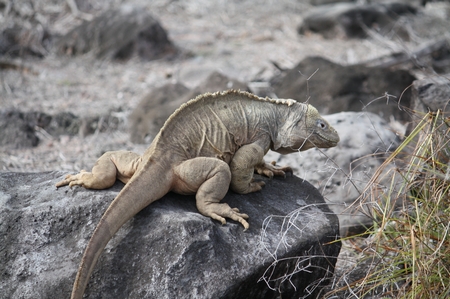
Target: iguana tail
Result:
[[144, 188]]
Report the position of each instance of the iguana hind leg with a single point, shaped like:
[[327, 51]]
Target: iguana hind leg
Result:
[[209, 178], [109, 167]]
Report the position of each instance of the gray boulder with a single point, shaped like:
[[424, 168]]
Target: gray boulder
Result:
[[333, 88], [431, 94], [353, 20], [168, 250], [149, 116], [118, 34], [341, 173], [21, 129], [324, 2], [17, 130]]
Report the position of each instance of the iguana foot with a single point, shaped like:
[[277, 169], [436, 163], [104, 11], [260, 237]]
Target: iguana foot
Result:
[[71, 179], [272, 169], [255, 186], [220, 211], [88, 180]]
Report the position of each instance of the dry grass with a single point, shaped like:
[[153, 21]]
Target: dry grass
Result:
[[407, 252]]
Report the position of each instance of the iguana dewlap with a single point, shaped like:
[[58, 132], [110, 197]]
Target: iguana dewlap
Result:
[[210, 144]]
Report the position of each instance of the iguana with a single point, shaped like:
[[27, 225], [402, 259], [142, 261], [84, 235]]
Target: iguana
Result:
[[210, 144]]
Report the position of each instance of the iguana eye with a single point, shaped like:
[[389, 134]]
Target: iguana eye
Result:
[[321, 124]]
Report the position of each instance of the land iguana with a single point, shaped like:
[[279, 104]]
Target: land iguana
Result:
[[210, 144]]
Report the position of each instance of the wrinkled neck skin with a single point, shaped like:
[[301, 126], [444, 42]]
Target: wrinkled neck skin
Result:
[[291, 130]]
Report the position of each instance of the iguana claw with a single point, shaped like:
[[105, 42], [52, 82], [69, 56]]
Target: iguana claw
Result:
[[72, 180], [271, 169], [220, 211]]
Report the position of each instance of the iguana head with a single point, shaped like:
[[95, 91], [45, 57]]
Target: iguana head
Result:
[[303, 129]]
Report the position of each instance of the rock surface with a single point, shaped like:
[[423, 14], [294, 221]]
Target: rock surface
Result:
[[16, 130], [119, 34], [431, 94], [342, 172], [332, 87], [353, 20], [22, 129], [153, 110], [168, 250]]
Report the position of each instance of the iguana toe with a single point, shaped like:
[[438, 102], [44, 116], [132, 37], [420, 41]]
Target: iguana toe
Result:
[[240, 217], [222, 211], [257, 185], [272, 169], [75, 183], [66, 181], [72, 179]]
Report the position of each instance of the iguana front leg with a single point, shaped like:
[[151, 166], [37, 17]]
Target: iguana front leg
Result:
[[247, 160], [209, 179], [110, 166]]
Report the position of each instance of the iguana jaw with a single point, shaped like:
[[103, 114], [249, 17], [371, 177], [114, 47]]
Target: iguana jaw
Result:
[[328, 140], [316, 140], [297, 146]]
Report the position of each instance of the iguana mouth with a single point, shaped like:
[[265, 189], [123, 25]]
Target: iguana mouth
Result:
[[334, 141]]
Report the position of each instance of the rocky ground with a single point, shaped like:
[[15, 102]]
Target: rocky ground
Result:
[[246, 40]]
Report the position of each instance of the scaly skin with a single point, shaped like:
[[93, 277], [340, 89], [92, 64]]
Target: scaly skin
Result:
[[212, 143]]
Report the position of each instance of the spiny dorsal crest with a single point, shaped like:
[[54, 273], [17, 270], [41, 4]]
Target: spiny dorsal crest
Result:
[[288, 102], [250, 96]]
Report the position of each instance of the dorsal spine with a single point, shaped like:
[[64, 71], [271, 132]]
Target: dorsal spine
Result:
[[250, 96]]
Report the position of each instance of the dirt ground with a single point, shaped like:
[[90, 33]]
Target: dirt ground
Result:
[[241, 39]]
